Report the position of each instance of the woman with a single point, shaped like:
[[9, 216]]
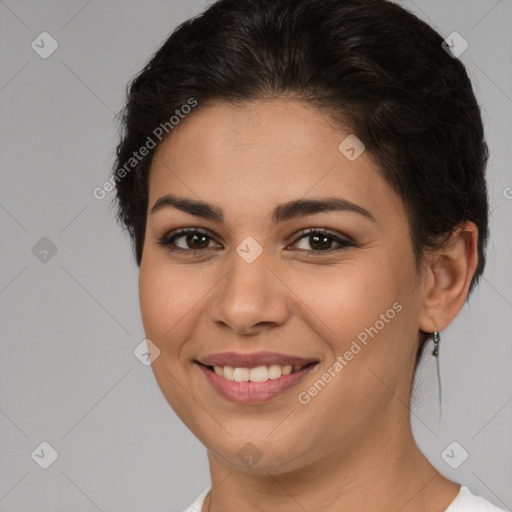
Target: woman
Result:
[[304, 183]]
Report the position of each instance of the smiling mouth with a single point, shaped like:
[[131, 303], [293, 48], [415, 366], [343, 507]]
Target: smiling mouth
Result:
[[261, 373]]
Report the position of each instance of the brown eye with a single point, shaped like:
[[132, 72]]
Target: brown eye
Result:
[[190, 239], [195, 240], [322, 241]]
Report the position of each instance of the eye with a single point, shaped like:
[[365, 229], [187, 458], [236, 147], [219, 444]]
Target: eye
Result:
[[190, 240], [193, 240], [321, 241]]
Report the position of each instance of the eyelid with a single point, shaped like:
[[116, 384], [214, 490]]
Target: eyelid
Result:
[[168, 238], [343, 241], [338, 237]]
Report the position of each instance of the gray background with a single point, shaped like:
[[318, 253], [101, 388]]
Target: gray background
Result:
[[70, 324]]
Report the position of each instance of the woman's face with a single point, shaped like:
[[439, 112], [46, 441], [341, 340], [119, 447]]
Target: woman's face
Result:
[[252, 281]]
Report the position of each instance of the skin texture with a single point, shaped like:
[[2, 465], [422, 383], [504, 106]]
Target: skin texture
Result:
[[351, 447]]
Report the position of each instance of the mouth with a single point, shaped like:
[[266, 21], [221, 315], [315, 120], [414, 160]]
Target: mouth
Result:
[[261, 373], [256, 384]]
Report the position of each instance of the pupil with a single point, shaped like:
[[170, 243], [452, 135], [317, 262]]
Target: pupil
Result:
[[318, 241], [194, 237], [326, 242]]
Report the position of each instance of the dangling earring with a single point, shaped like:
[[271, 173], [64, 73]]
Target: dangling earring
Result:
[[437, 339], [435, 353]]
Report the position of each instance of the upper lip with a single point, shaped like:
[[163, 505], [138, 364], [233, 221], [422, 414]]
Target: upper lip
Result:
[[252, 360]]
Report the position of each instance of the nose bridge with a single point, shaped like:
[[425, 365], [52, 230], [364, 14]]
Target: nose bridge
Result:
[[248, 295], [248, 278]]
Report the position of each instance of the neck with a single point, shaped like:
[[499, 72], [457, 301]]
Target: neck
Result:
[[384, 470]]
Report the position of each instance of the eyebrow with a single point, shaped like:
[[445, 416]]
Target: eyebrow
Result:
[[282, 212]]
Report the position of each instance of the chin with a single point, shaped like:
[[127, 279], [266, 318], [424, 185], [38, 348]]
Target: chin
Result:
[[257, 455]]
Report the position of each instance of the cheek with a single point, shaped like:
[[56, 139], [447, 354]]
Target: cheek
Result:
[[167, 299], [362, 317], [363, 313], [345, 300], [167, 304]]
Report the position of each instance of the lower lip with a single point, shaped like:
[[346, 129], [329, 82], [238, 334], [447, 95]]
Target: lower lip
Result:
[[253, 392]]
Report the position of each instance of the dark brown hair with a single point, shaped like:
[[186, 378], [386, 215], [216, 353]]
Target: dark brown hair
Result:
[[370, 63]]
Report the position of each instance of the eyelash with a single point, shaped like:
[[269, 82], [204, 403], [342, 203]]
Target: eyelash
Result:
[[168, 240]]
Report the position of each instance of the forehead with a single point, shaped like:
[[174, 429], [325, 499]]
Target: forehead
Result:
[[273, 125], [265, 151]]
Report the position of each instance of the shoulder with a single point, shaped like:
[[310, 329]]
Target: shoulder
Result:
[[197, 504], [466, 501]]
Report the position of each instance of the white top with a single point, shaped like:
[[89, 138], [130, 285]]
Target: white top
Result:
[[465, 501]]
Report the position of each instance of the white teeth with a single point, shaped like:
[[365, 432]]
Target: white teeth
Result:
[[241, 375], [257, 374], [274, 371], [286, 370], [229, 373]]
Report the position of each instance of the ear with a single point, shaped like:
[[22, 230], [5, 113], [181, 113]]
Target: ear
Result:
[[448, 275]]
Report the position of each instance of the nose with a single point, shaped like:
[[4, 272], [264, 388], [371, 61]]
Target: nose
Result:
[[250, 298]]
